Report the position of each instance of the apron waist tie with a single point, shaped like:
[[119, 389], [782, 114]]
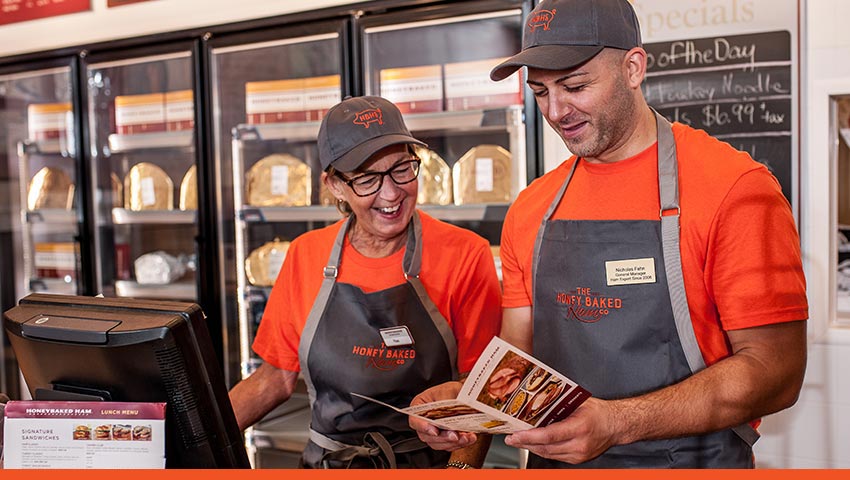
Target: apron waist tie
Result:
[[374, 445]]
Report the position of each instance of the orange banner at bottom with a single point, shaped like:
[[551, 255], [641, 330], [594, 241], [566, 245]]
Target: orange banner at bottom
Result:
[[432, 474]]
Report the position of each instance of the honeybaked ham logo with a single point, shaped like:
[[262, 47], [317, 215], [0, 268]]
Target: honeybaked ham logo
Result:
[[369, 116], [541, 19], [587, 306], [383, 358]]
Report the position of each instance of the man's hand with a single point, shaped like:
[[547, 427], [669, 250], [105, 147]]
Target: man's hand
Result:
[[435, 437], [762, 376], [580, 437]]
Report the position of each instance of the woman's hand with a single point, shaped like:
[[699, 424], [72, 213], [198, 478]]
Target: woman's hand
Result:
[[435, 437]]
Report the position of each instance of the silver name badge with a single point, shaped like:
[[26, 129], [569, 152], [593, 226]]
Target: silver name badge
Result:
[[396, 336]]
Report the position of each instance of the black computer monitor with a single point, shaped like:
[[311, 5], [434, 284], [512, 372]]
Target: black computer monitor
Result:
[[120, 349]]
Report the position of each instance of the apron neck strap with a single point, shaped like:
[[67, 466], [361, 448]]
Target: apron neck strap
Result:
[[412, 255], [413, 252], [668, 168]]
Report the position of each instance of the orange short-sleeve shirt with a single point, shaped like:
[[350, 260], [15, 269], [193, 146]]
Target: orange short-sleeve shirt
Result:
[[739, 244], [458, 272]]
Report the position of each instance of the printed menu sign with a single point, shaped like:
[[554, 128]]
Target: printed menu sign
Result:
[[12, 11], [78, 435], [506, 391]]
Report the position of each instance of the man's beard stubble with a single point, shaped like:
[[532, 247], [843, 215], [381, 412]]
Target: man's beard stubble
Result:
[[609, 124]]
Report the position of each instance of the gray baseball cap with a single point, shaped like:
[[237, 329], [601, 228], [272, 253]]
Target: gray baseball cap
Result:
[[560, 34], [354, 129]]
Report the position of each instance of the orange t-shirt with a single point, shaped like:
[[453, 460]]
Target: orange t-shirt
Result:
[[457, 271], [739, 244]]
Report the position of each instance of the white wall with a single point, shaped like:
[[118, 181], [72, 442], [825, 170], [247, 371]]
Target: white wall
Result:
[[136, 19], [813, 434]]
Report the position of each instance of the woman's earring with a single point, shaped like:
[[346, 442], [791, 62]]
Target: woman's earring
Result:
[[343, 207]]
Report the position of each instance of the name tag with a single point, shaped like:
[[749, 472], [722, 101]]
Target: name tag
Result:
[[630, 272], [396, 336]]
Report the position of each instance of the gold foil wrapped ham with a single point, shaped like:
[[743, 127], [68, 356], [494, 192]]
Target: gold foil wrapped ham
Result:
[[435, 178], [278, 180], [263, 264], [117, 190], [483, 175], [148, 187], [189, 189], [50, 188]]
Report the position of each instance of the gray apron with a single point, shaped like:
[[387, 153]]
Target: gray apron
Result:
[[342, 352], [604, 319]]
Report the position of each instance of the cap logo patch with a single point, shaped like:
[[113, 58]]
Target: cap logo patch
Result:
[[541, 19], [369, 116]]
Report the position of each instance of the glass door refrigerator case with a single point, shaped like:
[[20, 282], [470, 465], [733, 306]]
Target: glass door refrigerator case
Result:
[[144, 175], [270, 90], [434, 63], [39, 165]]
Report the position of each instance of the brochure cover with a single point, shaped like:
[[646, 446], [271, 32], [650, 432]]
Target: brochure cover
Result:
[[507, 391]]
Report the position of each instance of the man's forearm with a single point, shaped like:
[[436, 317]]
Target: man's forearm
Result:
[[763, 376]]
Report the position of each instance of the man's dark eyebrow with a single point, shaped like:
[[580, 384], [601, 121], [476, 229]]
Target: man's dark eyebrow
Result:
[[562, 79]]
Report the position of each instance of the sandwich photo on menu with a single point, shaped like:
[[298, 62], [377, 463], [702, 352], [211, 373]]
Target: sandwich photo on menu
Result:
[[507, 391]]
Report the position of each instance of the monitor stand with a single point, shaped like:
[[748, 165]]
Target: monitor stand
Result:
[[72, 393]]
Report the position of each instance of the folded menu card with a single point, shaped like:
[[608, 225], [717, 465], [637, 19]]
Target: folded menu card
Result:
[[507, 391]]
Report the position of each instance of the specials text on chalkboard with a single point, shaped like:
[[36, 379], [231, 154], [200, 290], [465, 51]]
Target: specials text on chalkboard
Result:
[[737, 88]]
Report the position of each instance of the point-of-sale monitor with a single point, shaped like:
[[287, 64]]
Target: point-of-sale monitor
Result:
[[121, 349]]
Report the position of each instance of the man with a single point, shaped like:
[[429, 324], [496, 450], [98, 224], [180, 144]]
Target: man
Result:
[[684, 316]]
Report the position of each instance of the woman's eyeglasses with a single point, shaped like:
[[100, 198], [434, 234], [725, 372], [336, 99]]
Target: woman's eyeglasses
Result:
[[369, 183]]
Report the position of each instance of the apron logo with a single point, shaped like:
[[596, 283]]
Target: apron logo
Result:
[[587, 306], [383, 358]]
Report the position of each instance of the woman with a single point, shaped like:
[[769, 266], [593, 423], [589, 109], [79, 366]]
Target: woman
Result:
[[384, 303]]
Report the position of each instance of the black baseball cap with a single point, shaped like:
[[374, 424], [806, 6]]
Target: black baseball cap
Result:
[[354, 129], [560, 34]]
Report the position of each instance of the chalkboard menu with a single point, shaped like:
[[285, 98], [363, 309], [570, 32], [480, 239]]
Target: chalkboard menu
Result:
[[736, 88]]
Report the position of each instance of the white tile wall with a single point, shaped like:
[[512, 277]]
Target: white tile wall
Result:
[[839, 376], [815, 433]]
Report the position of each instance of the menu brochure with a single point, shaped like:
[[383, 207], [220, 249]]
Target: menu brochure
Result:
[[507, 391]]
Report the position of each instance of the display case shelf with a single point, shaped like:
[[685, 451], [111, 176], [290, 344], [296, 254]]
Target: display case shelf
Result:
[[57, 146], [456, 122], [458, 213], [462, 121], [142, 141], [54, 216], [53, 285], [123, 216], [493, 212], [175, 291], [289, 131], [313, 213], [256, 293]]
